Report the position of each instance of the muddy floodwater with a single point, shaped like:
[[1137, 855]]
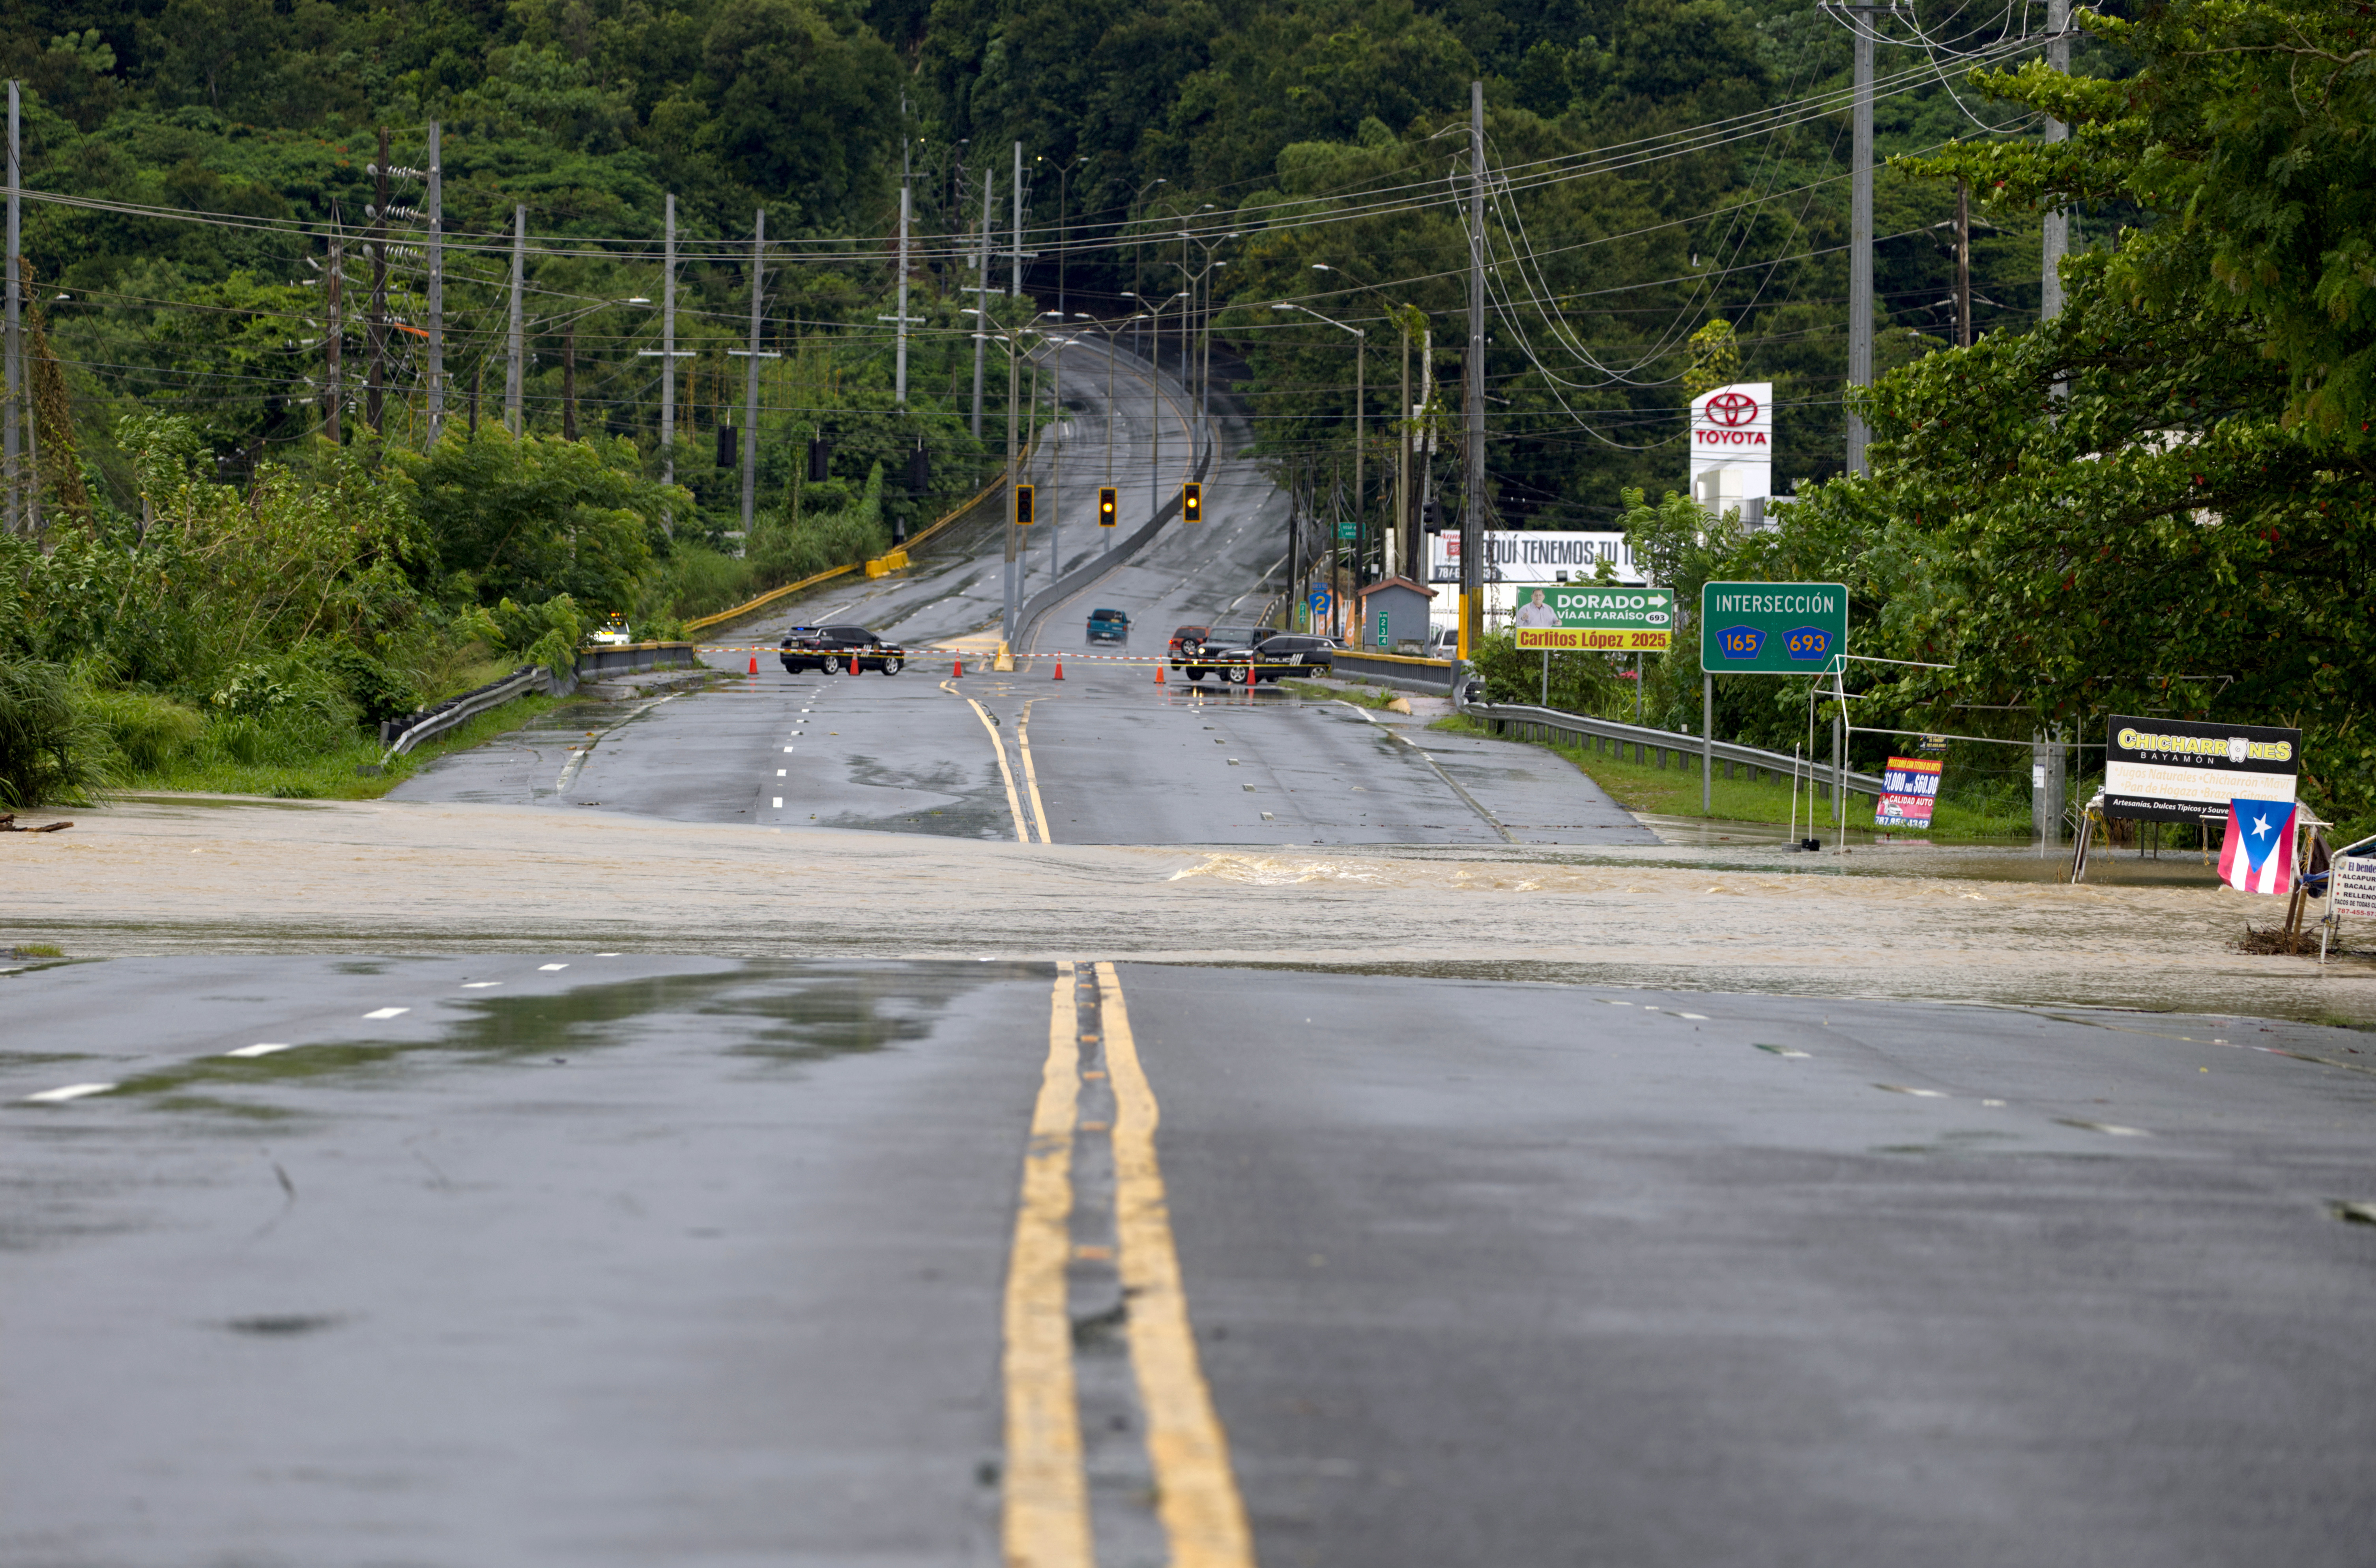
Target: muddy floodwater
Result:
[[1986, 924]]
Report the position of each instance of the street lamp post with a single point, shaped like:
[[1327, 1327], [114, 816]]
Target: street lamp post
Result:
[[1390, 558], [1138, 247], [1361, 395], [1203, 383], [1154, 401]]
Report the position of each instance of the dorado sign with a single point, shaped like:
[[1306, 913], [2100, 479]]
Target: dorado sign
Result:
[[1597, 618]]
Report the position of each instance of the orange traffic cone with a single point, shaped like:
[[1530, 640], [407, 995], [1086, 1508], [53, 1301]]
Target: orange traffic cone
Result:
[[1060, 670], [1158, 673], [754, 664], [957, 668], [854, 664]]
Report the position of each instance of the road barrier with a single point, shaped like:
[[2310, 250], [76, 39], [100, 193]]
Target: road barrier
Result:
[[616, 658], [400, 735], [1654, 747], [1431, 677]]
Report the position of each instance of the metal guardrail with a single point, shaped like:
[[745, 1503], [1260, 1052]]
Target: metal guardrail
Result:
[[400, 735], [1652, 745]]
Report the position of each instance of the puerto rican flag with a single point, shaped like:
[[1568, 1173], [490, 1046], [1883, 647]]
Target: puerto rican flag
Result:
[[2259, 854]]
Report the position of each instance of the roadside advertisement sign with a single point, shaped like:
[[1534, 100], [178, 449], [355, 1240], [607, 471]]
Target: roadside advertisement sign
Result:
[[1732, 446], [1535, 556], [2354, 885], [2176, 770], [1772, 628], [1909, 789], [1597, 618]]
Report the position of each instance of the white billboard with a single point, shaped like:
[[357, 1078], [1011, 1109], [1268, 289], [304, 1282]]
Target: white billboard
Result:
[[1529, 555], [1732, 448]]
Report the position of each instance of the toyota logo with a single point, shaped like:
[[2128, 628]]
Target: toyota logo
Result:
[[1731, 409]]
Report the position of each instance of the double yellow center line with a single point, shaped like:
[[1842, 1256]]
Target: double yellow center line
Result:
[[1047, 1519]]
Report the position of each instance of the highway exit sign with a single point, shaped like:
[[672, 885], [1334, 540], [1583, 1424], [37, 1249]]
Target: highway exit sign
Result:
[[1772, 628]]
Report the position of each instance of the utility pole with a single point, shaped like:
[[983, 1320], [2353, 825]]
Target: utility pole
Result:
[[16, 345], [2057, 222], [437, 285], [331, 389], [668, 348], [1861, 236], [982, 296], [1962, 263], [900, 388], [1396, 540], [1472, 521], [374, 392], [1361, 448], [1015, 273], [751, 357], [515, 364], [569, 383]]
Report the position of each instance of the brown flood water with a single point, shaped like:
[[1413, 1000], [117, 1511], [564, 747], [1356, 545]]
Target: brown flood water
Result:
[[195, 874]]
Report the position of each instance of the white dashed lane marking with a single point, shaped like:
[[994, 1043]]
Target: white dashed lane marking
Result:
[[479, 985], [261, 1049], [71, 1091], [387, 1012], [1918, 1094], [545, 967]]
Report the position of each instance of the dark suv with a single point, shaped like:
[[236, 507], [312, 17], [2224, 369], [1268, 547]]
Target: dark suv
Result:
[[1189, 645], [832, 647], [1278, 654]]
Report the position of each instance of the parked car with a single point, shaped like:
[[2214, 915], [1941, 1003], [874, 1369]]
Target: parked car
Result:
[[1109, 626], [832, 647], [1279, 655], [1189, 645]]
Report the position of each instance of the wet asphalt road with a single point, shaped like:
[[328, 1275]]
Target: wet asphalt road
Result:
[[1103, 755], [643, 1259]]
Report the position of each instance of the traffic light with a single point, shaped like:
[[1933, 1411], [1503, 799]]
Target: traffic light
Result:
[[1023, 504], [725, 445], [1108, 507], [1431, 517], [920, 470], [1192, 502], [820, 459]]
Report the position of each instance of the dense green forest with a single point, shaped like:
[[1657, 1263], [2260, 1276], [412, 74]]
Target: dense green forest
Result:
[[1287, 136], [204, 167]]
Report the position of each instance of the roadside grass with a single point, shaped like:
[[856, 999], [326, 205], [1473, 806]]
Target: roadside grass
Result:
[[331, 774], [1674, 791]]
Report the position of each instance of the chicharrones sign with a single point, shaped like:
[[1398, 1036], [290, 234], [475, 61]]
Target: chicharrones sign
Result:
[[2174, 770]]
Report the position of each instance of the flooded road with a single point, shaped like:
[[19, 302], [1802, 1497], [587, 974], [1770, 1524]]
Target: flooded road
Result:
[[190, 876]]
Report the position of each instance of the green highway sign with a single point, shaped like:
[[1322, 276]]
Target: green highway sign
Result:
[[1772, 628]]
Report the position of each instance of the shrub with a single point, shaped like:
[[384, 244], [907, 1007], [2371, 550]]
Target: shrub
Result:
[[1580, 683], [376, 690], [46, 750], [150, 733]]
